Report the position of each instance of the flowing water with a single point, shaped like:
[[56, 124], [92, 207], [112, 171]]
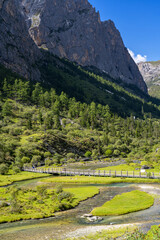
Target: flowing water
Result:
[[69, 221]]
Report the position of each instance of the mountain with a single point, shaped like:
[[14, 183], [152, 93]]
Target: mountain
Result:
[[67, 28], [17, 49], [151, 74]]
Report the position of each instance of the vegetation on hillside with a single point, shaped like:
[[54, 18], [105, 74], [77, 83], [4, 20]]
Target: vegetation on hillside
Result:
[[89, 84], [40, 127]]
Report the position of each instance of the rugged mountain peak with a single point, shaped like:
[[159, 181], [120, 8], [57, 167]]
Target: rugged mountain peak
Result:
[[73, 29], [150, 71], [67, 28], [17, 49]]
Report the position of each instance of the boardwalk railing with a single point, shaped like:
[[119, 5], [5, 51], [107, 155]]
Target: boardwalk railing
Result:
[[99, 173]]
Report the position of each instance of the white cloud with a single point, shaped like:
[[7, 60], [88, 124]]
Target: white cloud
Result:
[[137, 58]]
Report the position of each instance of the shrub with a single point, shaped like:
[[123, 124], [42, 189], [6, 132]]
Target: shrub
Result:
[[48, 162], [70, 155], [59, 189], [108, 153], [65, 195], [42, 191], [26, 160], [47, 154], [35, 160], [88, 154], [16, 169], [3, 169], [4, 204]]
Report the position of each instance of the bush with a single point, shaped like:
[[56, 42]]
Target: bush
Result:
[[116, 152], [48, 162], [35, 160], [3, 169], [88, 154], [42, 191], [65, 195], [47, 154], [16, 169], [59, 189], [4, 204], [26, 159], [70, 155], [108, 153]]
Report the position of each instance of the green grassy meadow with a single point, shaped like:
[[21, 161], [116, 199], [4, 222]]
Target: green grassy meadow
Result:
[[98, 180], [34, 203], [125, 203], [11, 178]]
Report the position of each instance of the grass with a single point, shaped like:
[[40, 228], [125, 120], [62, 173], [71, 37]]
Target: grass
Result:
[[107, 234], [82, 193], [123, 232], [153, 233], [9, 179], [33, 204], [98, 180], [130, 168], [125, 203], [121, 167]]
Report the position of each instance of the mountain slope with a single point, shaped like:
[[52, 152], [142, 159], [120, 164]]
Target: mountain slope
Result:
[[88, 87], [151, 74], [73, 29]]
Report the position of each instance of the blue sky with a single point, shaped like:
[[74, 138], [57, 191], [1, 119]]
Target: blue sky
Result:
[[138, 22]]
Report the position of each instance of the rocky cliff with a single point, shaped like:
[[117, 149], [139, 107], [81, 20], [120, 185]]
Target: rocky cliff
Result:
[[150, 71], [151, 74], [17, 49], [67, 28], [73, 29]]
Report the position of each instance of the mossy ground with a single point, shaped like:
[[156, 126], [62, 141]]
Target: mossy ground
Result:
[[107, 234], [33, 203], [99, 180], [125, 203], [128, 233], [10, 178]]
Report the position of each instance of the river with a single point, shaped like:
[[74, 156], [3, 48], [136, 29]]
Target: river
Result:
[[66, 223]]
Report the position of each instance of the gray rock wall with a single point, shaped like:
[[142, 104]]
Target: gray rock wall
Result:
[[73, 29], [67, 28], [17, 49]]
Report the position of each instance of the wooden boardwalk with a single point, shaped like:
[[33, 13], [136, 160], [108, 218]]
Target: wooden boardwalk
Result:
[[95, 173]]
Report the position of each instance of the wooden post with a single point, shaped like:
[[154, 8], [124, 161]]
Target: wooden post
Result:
[[104, 173], [121, 173], [153, 174], [115, 173], [133, 173], [140, 174], [110, 173], [99, 173], [127, 173]]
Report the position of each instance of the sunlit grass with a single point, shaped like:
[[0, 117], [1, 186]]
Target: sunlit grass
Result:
[[98, 180], [125, 203], [35, 206], [9, 179]]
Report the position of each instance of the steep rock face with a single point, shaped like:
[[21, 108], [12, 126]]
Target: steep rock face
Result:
[[150, 71], [151, 74], [73, 29], [17, 49]]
